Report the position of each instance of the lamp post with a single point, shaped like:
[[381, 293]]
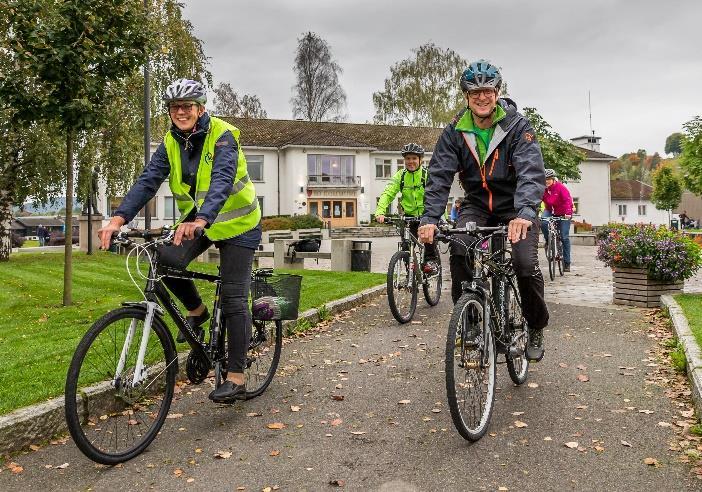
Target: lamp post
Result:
[[147, 126]]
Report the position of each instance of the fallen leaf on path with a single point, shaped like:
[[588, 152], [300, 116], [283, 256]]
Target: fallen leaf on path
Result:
[[519, 424], [253, 414], [198, 450], [337, 397], [547, 438], [276, 426], [436, 410], [583, 378], [337, 483], [34, 447], [177, 472], [647, 412], [403, 402], [15, 468], [625, 443], [358, 433], [190, 480], [62, 467], [502, 488], [571, 445], [533, 385], [665, 424], [562, 365], [687, 414], [426, 419], [650, 461], [581, 367], [516, 414], [336, 422], [599, 449], [275, 452], [223, 455], [294, 408], [174, 415]]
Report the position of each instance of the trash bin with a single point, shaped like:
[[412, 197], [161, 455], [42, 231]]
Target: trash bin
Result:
[[360, 256], [674, 224]]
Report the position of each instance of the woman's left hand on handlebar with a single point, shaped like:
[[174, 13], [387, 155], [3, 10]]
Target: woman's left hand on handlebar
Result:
[[186, 230]]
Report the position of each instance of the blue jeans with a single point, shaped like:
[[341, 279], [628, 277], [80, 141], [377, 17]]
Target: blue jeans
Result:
[[565, 234]]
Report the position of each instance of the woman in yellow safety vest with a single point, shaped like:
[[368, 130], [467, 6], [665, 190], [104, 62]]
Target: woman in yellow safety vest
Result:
[[206, 170]]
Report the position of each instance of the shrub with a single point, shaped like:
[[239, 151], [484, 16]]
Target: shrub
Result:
[[666, 254], [305, 222], [59, 239], [16, 240], [276, 223]]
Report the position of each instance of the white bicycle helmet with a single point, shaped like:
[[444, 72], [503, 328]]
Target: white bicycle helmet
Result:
[[185, 90]]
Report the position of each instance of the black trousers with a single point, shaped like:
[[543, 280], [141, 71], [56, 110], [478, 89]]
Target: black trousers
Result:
[[525, 258], [235, 270]]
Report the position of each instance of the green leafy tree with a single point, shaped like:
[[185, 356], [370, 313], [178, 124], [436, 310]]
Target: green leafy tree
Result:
[[228, 103], [70, 51], [673, 144], [667, 188], [559, 154], [691, 157], [422, 90], [317, 94]]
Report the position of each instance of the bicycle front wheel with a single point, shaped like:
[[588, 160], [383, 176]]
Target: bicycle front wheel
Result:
[[432, 285], [561, 259], [401, 287], [470, 368], [113, 409], [263, 356]]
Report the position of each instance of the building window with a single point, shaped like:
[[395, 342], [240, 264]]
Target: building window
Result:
[[254, 164], [383, 168], [331, 169], [576, 205], [622, 210], [326, 210], [349, 209], [260, 203], [169, 207], [337, 210], [642, 209]]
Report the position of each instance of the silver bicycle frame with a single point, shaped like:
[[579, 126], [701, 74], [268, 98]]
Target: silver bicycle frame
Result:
[[140, 371]]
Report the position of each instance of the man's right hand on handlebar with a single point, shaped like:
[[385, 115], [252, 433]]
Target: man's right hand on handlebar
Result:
[[380, 219], [105, 234], [426, 233]]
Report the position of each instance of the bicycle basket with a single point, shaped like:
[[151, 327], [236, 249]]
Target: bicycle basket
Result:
[[275, 296]]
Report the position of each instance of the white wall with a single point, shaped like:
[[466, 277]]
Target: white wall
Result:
[[592, 192], [653, 215]]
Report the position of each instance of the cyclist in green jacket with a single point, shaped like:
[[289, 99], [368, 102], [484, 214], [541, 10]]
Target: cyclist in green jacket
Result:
[[409, 182]]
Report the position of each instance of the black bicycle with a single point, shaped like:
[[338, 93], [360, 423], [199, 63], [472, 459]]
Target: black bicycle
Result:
[[554, 246], [121, 379], [487, 320], [408, 270]]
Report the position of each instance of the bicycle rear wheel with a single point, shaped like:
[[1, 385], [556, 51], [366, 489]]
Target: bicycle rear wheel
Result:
[[111, 414], [263, 356], [551, 257], [470, 369], [401, 287], [559, 256], [432, 285], [517, 363]]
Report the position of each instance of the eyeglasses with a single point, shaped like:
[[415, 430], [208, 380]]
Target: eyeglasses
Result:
[[175, 107], [481, 92]]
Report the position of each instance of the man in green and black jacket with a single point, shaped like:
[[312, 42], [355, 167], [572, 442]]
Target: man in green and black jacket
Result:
[[409, 182]]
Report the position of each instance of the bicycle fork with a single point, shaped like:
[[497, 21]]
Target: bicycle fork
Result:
[[140, 371]]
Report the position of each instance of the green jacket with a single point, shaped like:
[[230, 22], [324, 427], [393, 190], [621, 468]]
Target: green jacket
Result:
[[411, 184]]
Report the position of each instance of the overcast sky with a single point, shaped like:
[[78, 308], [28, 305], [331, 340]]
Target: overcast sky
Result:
[[641, 60]]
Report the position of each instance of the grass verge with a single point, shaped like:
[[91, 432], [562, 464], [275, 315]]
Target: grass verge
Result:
[[691, 305], [38, 335]]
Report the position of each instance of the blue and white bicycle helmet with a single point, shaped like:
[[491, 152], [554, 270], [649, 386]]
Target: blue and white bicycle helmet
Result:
[[481, 74], [550, 173]]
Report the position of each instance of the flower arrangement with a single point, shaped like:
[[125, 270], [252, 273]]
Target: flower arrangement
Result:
[[667, 254]]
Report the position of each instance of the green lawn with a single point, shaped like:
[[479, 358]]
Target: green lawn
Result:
[[692, 307], [30, 243], [38, 335]]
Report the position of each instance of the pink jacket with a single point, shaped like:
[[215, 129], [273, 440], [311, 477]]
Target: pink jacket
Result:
[[558, 200]]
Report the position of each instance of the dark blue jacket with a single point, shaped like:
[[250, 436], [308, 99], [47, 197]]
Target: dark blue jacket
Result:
[[223, 172]]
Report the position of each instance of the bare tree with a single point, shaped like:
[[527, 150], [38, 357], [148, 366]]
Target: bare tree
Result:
[[228, 103], [317, 95]]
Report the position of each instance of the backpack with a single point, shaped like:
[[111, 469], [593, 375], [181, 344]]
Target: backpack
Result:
[[304, 246], [424, 178]]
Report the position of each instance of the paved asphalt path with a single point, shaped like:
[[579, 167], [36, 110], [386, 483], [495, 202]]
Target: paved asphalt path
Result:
[[375, 363]]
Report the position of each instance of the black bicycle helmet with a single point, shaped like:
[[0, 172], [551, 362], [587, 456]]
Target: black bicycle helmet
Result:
[[550, 173], [185, 90], [481, 74], [413, 148]]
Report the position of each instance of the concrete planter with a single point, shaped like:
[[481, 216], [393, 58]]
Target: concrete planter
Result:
[[633, 287]]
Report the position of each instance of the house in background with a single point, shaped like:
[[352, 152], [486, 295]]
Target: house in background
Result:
[[631, 203], [26, 226], [591, 197], [336, 171]]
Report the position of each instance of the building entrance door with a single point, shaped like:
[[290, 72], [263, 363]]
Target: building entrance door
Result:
[[340, 212]]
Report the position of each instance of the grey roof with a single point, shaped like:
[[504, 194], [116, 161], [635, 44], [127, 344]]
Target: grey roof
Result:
[[35, 220]]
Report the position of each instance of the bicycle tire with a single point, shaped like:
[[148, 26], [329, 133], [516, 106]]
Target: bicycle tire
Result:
[[256, 352], [551, 257], [470, 305], [517, 365], [112, 407], [401, 260], [561, 259], [432, 293]]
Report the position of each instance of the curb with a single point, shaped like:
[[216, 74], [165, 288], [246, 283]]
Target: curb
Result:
[[693, 354], [41, 422]]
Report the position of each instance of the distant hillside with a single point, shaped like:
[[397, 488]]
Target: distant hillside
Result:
[[50, 208]]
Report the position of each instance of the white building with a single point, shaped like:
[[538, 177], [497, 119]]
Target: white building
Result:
[[334, 170], [591, 194], [631, 203]]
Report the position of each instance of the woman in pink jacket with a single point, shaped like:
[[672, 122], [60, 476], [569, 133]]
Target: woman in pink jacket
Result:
[[558, 203]]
